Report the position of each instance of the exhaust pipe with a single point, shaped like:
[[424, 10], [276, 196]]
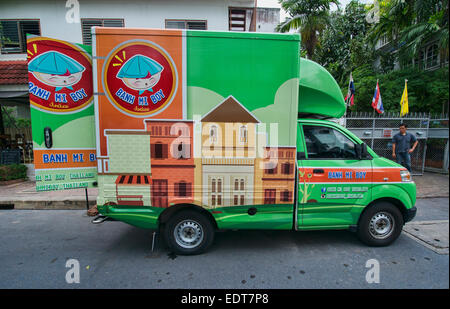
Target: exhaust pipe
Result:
[[100, 219]]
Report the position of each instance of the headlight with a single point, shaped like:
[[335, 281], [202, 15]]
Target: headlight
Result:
[[406, 176]]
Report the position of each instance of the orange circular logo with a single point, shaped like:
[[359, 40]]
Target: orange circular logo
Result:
[[140, 78], [59, 75]]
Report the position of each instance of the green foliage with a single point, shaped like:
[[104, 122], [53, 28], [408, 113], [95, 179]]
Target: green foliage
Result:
[[309, 17], [427, 90], [348, 45], [10, 121], [342, 46], [13, 171], [411, 24]]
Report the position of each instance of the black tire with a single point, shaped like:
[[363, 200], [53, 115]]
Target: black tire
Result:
[[375, 220], [188, 223]]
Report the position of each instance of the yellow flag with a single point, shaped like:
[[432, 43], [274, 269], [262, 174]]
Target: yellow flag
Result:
[[404, 102]]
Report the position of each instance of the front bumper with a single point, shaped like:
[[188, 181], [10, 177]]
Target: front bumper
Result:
[[410, 214]]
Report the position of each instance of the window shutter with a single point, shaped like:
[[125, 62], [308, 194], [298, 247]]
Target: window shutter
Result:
[[152, 150], [113, 23], [86, 25], [177, 189], [189, 189], [196, 25], [13, 34], [175, 24], [291, 168], [164, 150]]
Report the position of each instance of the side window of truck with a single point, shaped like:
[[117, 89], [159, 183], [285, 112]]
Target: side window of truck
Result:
[[327, 143]]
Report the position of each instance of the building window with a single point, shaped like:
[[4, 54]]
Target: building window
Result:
[[286, 168], [241, 19], [216, 191], [158, 150], [243, 134], [431, 56], [285, 196], [239, 191], [428, 58], [183, 189], [13, 34], [88, 23], [213, 134], [186, 24], [270, 196]]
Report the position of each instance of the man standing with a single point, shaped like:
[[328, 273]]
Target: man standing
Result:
[[401, 146]]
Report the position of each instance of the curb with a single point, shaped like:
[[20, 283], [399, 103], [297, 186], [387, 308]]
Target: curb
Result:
[[432, 196], [63, 205]]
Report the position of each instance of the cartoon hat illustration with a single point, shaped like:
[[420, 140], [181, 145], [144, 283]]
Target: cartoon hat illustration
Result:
[[56, 69], [140, 73]]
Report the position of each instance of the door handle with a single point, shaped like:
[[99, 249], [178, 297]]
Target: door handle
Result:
[[318, 171]]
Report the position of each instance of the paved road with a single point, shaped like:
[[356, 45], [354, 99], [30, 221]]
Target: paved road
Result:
[[35, 245]]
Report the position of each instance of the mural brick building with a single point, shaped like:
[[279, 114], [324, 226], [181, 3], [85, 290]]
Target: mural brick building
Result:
[[277, 178], [172, 161]]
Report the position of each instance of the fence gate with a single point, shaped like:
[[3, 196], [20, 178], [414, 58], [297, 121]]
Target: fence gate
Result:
[[432, 134]]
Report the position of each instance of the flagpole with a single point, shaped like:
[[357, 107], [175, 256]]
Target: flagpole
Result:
[[348, 89], [346, 101], [373, 109]]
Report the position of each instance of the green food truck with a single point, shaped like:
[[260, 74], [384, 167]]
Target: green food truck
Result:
[[196, 131]]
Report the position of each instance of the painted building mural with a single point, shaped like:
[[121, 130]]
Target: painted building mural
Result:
[[219, 135]]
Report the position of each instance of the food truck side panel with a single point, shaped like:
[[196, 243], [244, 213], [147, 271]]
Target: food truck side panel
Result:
[[196, 118], [62, 113]]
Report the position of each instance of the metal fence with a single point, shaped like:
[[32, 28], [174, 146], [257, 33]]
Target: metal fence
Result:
[[431, 131]]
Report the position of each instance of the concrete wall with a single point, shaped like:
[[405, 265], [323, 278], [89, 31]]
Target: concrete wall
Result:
[[136, 13], [267, 19]]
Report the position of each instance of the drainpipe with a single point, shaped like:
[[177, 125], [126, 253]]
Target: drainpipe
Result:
[[253, 28]]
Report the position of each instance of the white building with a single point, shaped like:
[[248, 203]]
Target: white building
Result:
[[71, 20]]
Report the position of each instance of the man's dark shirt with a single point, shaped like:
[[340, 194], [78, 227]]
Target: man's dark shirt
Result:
[[403, 142]]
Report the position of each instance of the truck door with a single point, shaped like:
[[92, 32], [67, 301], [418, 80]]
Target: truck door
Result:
[[333, 184]]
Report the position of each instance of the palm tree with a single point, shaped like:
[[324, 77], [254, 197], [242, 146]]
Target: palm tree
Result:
[[411, 24], [310, 17], [430, 25]]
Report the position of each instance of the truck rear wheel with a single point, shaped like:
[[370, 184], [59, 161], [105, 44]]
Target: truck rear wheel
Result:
[[380, 225], [188, 232]]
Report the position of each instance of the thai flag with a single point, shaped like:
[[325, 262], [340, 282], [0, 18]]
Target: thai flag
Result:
[[377, 103], [351, 92]]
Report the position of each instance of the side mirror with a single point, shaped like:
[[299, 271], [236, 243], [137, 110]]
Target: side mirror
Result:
[[358, 151], [361, 151], [364, 152]]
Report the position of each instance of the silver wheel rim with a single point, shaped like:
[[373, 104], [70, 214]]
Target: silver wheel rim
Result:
[[188, 234], [381, 225]]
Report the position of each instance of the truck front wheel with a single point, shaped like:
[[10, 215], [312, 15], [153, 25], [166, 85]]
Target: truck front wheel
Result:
[[380, 225], [188, 232]]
